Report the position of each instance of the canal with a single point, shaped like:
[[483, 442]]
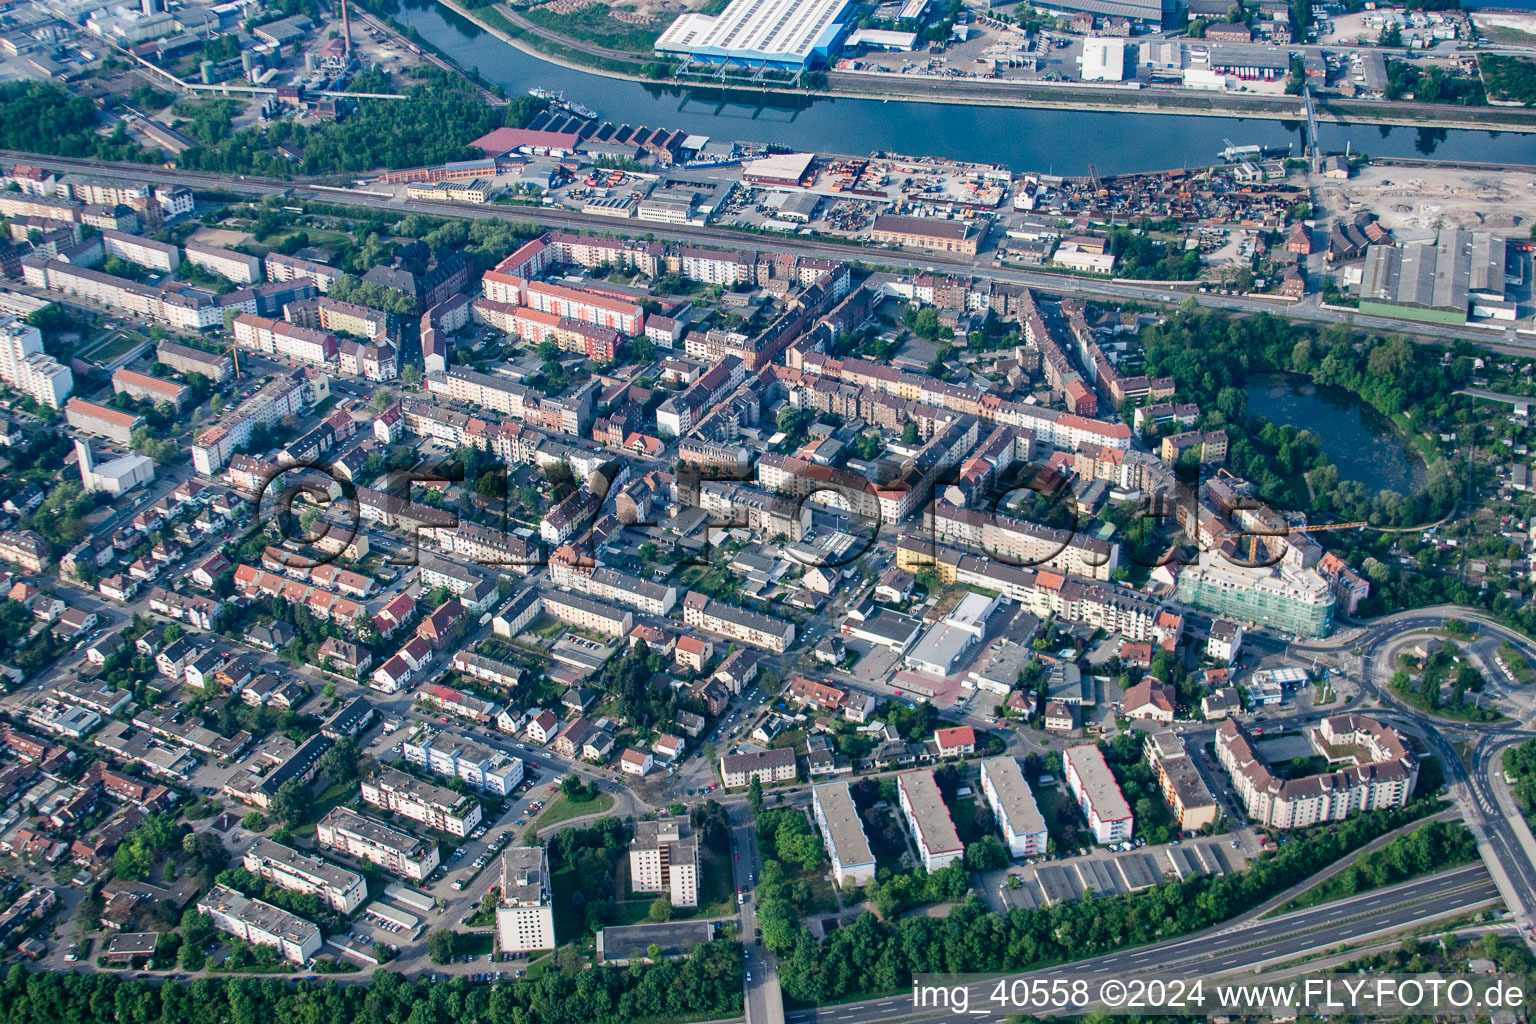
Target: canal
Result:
[[1362, 443], [1046, 141]]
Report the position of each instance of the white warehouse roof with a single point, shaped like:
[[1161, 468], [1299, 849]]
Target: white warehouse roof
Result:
[[1103, 59], [777, 32]]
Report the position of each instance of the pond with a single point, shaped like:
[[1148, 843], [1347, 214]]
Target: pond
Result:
[[1362, 443]]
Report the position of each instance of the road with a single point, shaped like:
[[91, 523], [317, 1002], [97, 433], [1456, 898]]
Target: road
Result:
[[762, 1000], [1221, 951], [1503, 838], [901, 260]]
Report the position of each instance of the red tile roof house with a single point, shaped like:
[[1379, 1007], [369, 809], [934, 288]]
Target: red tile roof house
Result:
[[955, 742]]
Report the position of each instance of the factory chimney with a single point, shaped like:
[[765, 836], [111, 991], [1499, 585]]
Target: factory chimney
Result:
[[346, 31]]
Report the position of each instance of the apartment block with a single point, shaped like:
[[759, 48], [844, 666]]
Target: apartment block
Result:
[[1381, 774], [737, 770], [185, 359], [1093, 786], [488, 770], [1013, 805], [227, 263], [27, 368], [370, 839], [92, 418], [852, 862], [664, 858], [336, 887], [284, 340], [1023, 543], [153, 389], [261, 924], [436, 807], [328, 314], [291, 268], [612, 585], [525, 914], [157, 256], [765, 631], [585, 613], [214, 446], [928, 819], [1186, 792]]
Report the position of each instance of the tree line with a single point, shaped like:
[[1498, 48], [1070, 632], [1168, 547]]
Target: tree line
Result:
[[1434, 847], [872, 955], [706, 983]]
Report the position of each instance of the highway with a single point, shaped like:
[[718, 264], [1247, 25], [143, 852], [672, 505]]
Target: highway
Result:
[[1503, 839], [1218, 952], [899, 260]]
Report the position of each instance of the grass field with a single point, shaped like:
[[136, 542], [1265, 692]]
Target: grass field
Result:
[[115, 347], [597, 25], [564, 810]]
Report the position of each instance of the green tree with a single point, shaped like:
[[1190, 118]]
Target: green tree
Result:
[[442, 945], [292, 802], [660, 910]]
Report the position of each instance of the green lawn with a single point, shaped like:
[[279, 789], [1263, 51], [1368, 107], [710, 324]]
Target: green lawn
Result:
[[564, 810], [115, 347]]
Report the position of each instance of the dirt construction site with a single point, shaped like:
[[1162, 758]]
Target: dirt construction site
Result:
[[1413, 202]]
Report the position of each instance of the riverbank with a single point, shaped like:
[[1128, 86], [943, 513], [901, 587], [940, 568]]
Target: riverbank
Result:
[[575, 56]]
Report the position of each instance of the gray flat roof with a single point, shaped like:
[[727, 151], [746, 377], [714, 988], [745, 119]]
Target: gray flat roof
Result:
[[845, 833], [375, 831], [929, 811], [304, 863], [394, 780], [1098, 782], [270, 919], [1016, 804]]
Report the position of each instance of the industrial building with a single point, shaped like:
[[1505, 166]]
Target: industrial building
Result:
[[1434, 282], [1093, 786], [1103, 59], [1149, 12], [941, 648], [838, 819], [785, 35], [1013, 805], [928, 818]]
